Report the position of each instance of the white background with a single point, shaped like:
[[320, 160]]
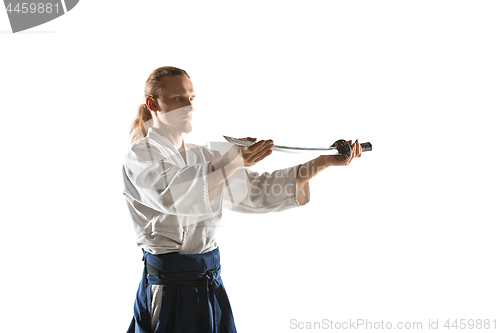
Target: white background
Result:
[[408, 232]]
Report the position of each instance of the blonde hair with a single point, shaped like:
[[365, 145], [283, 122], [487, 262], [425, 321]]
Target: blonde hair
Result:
[[152, 88]]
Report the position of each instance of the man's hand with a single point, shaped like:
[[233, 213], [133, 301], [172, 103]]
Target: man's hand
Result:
[[356, 150], [256, 152]]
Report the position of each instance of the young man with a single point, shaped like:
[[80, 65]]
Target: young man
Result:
[[175, 193]]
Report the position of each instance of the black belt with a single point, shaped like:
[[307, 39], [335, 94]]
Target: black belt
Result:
[[151, 270]]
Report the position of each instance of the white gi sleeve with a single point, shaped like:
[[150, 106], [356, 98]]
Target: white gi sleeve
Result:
[[247, 191], [157, 182]]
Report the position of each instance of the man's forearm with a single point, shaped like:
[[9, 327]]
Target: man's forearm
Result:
[[223, 167], [310, 169]]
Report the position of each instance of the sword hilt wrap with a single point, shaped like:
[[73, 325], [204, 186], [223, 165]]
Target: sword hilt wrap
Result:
[[344, 149], [366, 147]]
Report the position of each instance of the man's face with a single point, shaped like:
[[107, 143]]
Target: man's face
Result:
[[176, 103]]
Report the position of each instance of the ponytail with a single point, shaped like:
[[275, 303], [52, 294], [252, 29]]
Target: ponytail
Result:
[[139, 129], [153, 89]]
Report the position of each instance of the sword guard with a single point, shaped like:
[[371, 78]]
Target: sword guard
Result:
[[343, 148]]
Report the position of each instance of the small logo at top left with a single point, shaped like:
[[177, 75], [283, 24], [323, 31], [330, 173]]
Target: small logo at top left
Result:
[[25, 15]]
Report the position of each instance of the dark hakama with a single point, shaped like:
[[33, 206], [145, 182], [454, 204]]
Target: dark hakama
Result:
[[193, 297]]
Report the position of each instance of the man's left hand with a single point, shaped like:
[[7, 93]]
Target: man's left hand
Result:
[[356, 150]]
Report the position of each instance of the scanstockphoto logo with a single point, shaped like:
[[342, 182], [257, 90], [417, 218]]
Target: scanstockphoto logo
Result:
[[25, 15]]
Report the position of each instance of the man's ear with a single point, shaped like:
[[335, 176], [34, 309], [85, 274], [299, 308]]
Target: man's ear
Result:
[[151, 104]]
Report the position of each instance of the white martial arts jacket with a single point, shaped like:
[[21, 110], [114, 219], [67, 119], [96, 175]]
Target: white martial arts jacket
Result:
[[170, 203]]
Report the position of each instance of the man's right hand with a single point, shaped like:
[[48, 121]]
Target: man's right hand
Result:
[[256, 152]]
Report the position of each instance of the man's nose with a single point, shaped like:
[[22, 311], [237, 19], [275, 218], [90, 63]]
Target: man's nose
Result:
[[188, 104]]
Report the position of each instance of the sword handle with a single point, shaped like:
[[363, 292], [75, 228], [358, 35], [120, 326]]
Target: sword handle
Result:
[[344, 149], [366, 146]]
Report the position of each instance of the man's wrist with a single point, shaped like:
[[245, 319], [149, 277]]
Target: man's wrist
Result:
[[323, 161], [231, 161]]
